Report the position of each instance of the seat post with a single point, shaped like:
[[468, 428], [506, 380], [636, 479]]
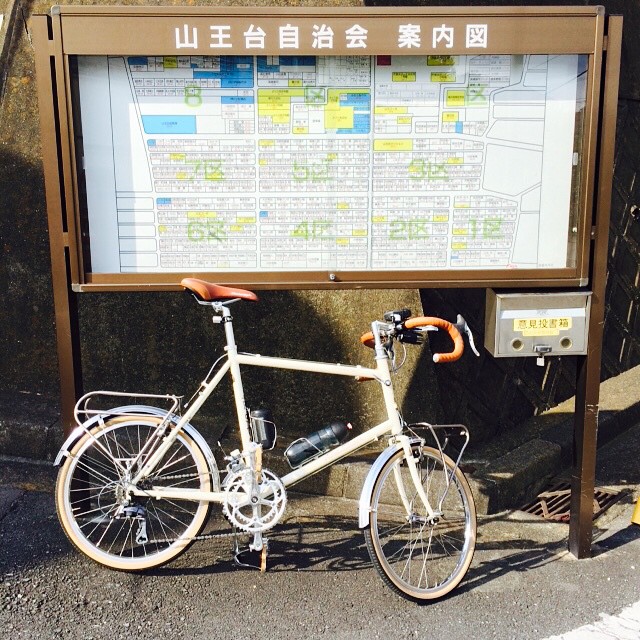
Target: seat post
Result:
[[227, 321], [238, 390]]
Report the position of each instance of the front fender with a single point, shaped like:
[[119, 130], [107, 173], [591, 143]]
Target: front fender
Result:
[[133, 410], [364, 508]]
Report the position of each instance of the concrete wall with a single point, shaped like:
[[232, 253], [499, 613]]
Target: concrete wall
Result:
[[163, 342]]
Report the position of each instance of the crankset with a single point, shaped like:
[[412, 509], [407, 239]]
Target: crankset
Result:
[[251, 505]]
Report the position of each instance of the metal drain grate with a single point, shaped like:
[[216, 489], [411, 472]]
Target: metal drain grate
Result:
[[555, 503]]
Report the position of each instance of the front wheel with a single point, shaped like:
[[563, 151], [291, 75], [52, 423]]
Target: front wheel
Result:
[[421, 557], [135, 533]]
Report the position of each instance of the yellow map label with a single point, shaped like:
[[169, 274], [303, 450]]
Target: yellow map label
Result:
[[440, 61], [442, 76], [201, 214], [403, 76], [450, 116], [532, 327], [339, 118], [276, 103], [390, 110], [393, 145], [456, 98], [170, 62]]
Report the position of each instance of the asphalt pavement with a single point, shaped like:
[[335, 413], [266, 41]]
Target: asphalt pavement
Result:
[[320, 583]]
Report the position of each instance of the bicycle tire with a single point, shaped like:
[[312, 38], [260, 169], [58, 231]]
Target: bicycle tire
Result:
[[89, 496], [419, 559]]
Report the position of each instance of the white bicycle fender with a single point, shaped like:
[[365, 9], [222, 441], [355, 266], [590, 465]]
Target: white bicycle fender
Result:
[[73, 437], [189, 429], [364, 508]]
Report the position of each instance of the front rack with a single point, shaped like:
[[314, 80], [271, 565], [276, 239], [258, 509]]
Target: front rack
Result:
[[449, 431]]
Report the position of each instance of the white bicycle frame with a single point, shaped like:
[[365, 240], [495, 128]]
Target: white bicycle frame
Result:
[[392, 426]]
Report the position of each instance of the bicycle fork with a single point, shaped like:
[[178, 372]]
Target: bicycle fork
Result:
[[417, 480]]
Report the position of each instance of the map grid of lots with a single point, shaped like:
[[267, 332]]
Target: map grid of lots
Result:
[[312, 163]]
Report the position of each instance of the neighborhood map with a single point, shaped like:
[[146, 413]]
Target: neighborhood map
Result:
[[357, 163]]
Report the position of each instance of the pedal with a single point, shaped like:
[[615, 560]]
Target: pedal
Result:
[[263, 559], [247, 558], [250, 558]]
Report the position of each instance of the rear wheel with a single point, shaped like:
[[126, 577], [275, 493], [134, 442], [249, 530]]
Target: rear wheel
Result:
[[138, 533], [421, 557]]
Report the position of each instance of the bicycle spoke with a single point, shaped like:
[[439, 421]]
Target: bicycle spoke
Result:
[[88, 469], [92, 489], [164, 523], [100, 509], [173, 471], [421, 556]]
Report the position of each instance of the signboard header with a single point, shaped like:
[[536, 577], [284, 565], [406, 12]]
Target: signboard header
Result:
[[324, 31]]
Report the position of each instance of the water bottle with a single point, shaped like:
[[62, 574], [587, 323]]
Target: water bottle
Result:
[[318, 442], [264, 428]]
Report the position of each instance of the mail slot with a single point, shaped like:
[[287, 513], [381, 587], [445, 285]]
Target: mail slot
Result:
[[536, 324]]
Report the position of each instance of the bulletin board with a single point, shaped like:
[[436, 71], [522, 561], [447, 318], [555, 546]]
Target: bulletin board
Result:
[[327, 147]]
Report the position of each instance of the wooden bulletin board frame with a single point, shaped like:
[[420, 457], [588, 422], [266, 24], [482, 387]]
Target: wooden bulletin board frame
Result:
[[103, 31]]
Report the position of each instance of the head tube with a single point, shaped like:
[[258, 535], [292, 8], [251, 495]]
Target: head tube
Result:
[[376, 328]]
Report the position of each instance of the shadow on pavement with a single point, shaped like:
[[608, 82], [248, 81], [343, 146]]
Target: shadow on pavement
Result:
[[532, 557], [617, 540], [322, 543]]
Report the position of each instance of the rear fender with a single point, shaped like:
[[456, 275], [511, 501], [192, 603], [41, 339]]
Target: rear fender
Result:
[[133, 410]]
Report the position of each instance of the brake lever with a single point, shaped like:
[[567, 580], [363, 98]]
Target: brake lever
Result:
[[462, 326]]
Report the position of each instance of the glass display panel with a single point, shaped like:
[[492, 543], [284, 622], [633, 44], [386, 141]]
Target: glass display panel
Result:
[[314, 163]]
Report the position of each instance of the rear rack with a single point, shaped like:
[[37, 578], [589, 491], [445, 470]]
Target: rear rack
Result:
[[169, 404]]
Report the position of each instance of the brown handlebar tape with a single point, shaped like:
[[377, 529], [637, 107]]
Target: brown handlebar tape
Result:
[[367, 339], [422, 321], [451, 329]]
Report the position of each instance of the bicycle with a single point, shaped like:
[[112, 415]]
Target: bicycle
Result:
[[136, 482]]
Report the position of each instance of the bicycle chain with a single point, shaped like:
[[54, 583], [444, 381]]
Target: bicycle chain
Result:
[[208, 536], [186, 475]]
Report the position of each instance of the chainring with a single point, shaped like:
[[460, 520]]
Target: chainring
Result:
[[254, 511]]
